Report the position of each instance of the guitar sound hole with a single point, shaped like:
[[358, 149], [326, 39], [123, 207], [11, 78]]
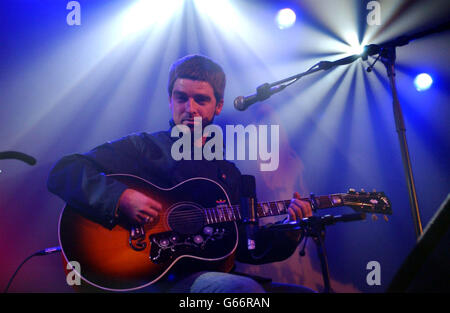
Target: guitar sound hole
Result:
[[186, 219]]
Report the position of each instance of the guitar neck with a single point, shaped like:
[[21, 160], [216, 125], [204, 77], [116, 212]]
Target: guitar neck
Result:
[[271, 208], [225, 213]]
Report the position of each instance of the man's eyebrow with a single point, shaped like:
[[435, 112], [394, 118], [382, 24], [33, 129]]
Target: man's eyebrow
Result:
[[180, 93], [202, 96], [197, 95]]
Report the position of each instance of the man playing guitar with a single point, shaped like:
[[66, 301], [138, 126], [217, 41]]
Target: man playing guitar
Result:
[[87, 183]]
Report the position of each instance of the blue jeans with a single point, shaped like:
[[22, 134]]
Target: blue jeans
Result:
[[218, 282]]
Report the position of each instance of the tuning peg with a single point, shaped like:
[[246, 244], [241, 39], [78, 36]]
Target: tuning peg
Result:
[[374, 217], [386, 218], [351, 190]]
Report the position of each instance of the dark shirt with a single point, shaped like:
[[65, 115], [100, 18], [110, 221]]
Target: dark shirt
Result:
[[81, 181]]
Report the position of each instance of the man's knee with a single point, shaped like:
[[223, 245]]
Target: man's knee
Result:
[[225, 283]]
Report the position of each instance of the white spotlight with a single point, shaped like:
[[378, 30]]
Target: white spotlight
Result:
[[356, 49], [353, 45], [285, 18], [144, 14]]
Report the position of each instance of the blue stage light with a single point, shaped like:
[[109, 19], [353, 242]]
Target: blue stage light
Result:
[[423, 82]]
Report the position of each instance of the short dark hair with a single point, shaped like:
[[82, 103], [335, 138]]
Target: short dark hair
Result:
[[198, 67]]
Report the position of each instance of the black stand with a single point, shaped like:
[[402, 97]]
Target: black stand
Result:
[[314, 227], [17, 156], [387, 53], [388, 56], [316, 230]]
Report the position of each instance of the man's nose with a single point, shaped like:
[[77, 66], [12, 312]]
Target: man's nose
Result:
[[191, 106]]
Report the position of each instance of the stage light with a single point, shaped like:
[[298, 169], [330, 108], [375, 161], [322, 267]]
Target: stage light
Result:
[[353, 44], [423, 82], [144, 14], [285, 18], [221, 12], [356, 49]]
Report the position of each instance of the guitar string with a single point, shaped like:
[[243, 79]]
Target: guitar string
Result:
[[236, 208], [225, 212], [197, 218], [259, 206], [214, 214], [197, 215]]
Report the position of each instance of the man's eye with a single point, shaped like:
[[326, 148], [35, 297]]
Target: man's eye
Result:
[[201, 100]]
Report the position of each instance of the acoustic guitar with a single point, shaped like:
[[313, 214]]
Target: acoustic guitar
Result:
[[197, 221]]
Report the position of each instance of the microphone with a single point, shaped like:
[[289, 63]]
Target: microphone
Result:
[[248, 209], [263, 92]]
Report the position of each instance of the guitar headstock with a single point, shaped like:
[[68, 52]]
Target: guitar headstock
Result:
[[367, 202]]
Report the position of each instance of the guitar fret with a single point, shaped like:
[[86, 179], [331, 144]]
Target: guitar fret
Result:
[[219, 214], [211, 215], [230, 217], [287, 203], [274, 208], [225, 213], [269, 208], [207, 217], [238, 212], [330, 200], [227, 209], [231, 214], [214, 216], [259, 210], [222, 210], [266, 209], [281, 207]]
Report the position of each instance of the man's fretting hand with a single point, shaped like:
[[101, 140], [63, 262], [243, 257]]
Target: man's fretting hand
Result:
[[137, 207], [298, 208]]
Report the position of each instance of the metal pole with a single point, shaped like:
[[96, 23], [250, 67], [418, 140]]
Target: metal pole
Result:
[[388, 59]]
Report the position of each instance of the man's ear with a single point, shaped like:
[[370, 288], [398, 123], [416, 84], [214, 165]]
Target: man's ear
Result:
[[219, 107], [170, 103]]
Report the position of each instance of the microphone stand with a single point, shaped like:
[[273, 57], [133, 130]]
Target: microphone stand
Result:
[[387, 53], [314, 227], [5, 155], [266, 90]]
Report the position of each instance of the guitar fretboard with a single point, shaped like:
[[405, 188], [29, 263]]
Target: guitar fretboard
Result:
[[225, 213]]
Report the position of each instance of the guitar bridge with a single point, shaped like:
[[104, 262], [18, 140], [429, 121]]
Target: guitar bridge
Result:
[[167, 246]]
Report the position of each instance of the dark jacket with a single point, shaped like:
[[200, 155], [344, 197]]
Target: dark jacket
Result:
[[81, 181]]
